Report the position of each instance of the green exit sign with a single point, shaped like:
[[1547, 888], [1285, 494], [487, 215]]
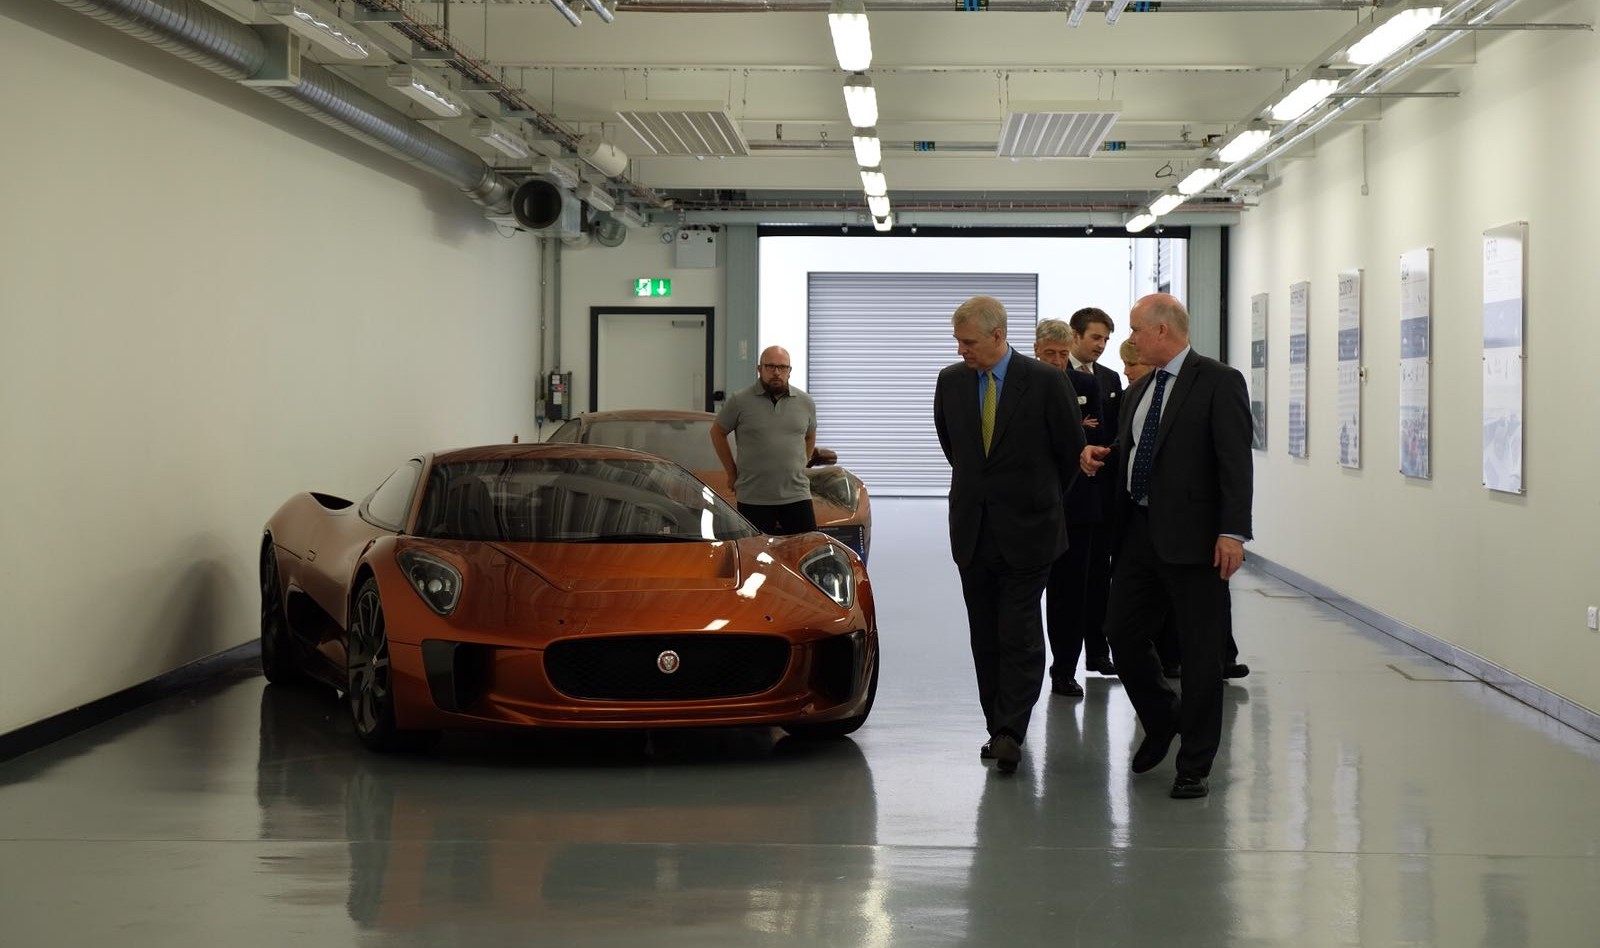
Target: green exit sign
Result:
[[652, 286]]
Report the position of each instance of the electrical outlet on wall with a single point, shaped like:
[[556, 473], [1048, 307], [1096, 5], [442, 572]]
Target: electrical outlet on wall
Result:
[[1594, 618]]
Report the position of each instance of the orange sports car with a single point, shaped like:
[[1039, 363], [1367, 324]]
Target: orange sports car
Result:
[[562, 585], [843, 509]]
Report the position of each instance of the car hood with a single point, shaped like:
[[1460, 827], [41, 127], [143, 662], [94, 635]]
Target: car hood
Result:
[[630, 567]]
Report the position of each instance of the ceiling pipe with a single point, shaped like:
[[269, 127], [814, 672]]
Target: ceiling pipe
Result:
[[205, 37]]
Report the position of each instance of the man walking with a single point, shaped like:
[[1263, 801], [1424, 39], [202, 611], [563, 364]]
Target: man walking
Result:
[[1183, 473], [1010, 429]]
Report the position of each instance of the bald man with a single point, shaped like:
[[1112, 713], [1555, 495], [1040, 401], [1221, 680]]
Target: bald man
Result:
[[777, 426], [1183, 474]]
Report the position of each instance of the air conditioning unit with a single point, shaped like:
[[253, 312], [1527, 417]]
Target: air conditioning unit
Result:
[[544, 208]]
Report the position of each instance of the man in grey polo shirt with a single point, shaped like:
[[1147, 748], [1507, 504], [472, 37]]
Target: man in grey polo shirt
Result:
[[777, 426]]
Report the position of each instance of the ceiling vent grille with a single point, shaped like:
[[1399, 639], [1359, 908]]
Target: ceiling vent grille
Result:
[[1057, 129], [667, 127]]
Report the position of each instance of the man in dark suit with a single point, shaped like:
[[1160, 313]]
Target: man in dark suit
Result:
[[1091, 330], [1184, 481], [1010, 428], [1065, 617]]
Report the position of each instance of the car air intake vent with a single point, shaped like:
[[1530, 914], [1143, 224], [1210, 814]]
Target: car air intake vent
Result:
[[632, 668]]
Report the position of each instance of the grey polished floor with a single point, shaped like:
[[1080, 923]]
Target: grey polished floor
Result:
[[1365, 795]]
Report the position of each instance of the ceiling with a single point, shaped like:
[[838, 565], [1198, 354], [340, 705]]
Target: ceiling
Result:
[[1180, 79]]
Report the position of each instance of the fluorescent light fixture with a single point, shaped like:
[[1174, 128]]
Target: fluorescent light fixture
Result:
[[432, 93], [1244, 144], [1079, 8], [869, 150], [874, 183], [1117, 6], [1140, 221], [883, 224], [852, 40], [1200, 178], [324, 29], [562, 172], [878, 205], [601, 10], [1303, 98], [596, 197], [1396, 33], [1164, 204], [566, 11], [499, 138], [861, 101]]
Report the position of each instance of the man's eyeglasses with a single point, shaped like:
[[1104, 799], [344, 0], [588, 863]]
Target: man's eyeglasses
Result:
[[774, 367]]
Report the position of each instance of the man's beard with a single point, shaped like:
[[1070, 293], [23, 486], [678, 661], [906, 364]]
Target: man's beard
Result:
[[775, 387]]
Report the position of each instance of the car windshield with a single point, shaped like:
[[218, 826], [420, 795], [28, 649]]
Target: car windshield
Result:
[[687, 441], [575, 500]]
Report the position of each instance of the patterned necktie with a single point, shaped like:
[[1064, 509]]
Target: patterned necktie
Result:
[[1144, 458], [989, 399]]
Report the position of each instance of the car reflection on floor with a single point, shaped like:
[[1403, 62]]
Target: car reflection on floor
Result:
[[727, 827]]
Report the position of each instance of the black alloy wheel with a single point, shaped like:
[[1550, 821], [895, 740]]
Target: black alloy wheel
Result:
[[277, 652], [369, 687]]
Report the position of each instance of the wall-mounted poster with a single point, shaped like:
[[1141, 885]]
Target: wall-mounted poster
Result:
[[1416, 327], [1504, 279], [1258, 370], [1350, 368], [1299, 311]]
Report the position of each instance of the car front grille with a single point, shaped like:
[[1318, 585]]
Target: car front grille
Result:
[[629, 668]]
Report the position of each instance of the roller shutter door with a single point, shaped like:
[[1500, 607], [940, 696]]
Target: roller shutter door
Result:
[[876, 343]]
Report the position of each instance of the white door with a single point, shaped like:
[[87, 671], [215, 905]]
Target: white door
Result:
[[650, 360]]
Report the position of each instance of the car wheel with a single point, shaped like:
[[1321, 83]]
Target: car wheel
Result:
[[842, 726], [369, 688], [277, 652]]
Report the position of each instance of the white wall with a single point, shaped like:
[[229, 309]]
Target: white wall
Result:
[[1504, 577], [207, 303], [603, 276]]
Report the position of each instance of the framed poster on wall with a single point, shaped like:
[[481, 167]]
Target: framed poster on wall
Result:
[[1258, 370], [1505, 269], [1416, 327], [1299, 313], [1350, 368]]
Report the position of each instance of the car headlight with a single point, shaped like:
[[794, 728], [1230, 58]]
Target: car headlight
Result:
[[437, 582], [836, 486], [828, 568]]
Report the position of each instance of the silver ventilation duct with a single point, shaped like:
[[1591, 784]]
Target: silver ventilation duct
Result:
[[195, 32]]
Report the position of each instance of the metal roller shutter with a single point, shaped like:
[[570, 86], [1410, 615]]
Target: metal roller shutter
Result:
[[876, 343]]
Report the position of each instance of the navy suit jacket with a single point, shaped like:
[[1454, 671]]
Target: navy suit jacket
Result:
[[1015, 490], [1111, 399]]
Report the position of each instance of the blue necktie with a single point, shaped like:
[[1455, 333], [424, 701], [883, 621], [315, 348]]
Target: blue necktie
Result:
[[1144, 458]]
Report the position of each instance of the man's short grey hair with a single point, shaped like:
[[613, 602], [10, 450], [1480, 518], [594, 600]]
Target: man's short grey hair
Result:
[[1052, 330], [1168, 311], [985, 313]]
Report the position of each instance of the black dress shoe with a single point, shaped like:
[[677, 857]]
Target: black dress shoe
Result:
[[1172, 671], [1152, 750], [1189, 788], [1235, 670], [1067, 687], [1103, 667], [1007, 753], [986, 752]]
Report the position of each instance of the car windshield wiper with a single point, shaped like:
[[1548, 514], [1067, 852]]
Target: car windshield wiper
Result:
[[635, 538]]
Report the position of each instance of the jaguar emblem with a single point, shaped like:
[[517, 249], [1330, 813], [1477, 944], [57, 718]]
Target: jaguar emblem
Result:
[[668, 662]]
